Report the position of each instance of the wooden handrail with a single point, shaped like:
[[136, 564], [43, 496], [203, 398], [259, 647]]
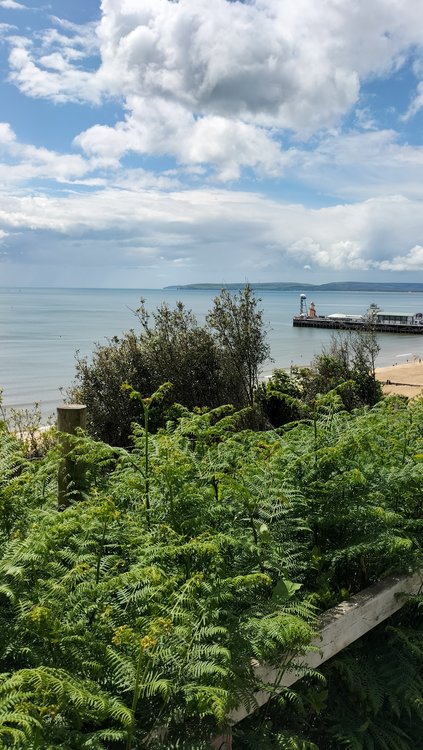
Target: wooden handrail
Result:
[[339, 627]]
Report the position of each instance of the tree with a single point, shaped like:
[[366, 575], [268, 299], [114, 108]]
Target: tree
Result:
[[208, 365], [176, 348], [239, 329], [172, 347], [98, 385], [349, 362], [366, 348]]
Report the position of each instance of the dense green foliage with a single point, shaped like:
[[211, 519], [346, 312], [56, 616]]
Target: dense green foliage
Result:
[[372, 697], [281, 397], [209, 365], [347, 367], [214, 364], [130, 618], [99, 387], [349, 360], [239, 332]]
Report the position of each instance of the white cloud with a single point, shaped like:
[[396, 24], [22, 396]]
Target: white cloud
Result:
[[217, 88], [212, 233], [7, 136], [217, 83], [229, 145], [411, 261], [416, 105], [64, 82], [358, 165], [11, 5], [295, 64], [22, 162], [50, 64]]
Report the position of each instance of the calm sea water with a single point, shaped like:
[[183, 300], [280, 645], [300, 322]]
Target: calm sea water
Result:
[[41, 329]]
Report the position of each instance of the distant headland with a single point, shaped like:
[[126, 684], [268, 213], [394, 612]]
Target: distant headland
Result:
[[334, 286]]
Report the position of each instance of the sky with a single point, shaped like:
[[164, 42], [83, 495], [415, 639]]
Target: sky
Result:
[[146, 143]]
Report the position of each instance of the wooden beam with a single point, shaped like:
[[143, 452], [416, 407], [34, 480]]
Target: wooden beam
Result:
[[339, 627]]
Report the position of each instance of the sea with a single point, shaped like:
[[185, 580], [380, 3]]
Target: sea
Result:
[[42, 329]]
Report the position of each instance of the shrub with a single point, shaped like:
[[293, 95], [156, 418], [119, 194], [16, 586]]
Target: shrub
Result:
[[280, 398], [348, 362], [207, 365], [98, 385]]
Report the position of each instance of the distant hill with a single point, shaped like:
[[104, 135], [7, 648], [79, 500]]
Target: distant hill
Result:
[[364, 286], [277, 285], [334, 286]]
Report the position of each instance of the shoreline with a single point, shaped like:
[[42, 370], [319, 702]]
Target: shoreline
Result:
[[404, 379]]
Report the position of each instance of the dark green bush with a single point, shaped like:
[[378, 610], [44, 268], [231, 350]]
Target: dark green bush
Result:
[[207, 365], [280, 398], [99, 386], [131, 618], [348, 361]]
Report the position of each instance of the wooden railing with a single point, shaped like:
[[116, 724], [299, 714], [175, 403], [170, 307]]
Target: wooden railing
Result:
[[339, 627]]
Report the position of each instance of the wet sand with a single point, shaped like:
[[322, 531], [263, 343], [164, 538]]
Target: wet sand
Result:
[[406, 379]]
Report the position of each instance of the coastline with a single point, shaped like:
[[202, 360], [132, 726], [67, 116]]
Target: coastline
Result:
[[40, 331], [405, 379]]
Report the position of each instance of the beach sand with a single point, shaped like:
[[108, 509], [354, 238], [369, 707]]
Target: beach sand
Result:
[[406, 379]]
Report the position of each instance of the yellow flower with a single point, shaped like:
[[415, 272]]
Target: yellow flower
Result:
[[106, 613], [147, 642], [38, 613], [123, 634]]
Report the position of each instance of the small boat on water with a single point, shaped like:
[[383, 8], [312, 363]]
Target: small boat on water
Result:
[[374, 319]]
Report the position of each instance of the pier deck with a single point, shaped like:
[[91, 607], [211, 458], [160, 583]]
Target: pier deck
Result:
[[355, 325]]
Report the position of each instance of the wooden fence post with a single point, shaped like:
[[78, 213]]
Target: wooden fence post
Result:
[[224, 741], [71, 477]]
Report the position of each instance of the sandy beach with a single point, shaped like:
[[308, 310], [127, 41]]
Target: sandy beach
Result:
[[405, 379]]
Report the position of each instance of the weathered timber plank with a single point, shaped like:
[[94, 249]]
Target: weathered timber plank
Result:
[[339, 627]]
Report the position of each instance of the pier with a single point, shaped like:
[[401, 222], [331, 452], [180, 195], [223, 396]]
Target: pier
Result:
[[374, 320], [356, 325]]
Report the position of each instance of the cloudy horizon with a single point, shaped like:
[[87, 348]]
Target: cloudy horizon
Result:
[[146, 143]]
